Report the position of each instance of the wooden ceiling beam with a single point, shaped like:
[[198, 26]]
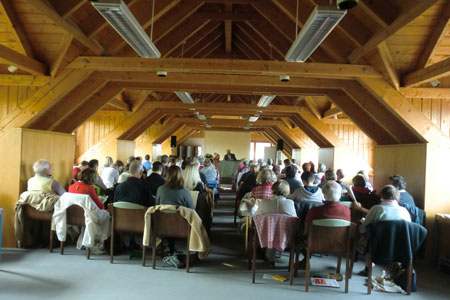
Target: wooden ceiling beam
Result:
[[388, 63], [415, 9], [435, 38], [312, 106], [42, 99], [163, 26], [17, 26], [23, 80], [180, 35], [224, 66], [225, 16], [70, 28], [167, 132], [315, 129], [228, 28], [436, 93], [60, 110], [141, 99], [251, 52], [67, 7], [55, 66], [435, 71], [331, 113], [188, 132], [119, 104], [194, 40], [140, 127], [216, 44], [244, 30], [207, 42], [21, 61], [380, 11]]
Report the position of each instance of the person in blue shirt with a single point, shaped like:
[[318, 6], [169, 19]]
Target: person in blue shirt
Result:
[[147, 164]]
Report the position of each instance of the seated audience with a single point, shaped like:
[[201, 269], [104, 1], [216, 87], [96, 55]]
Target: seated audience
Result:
[[78, 169], [269, 164], [209, 170], [331, 209], [265, 179], [405, 198], [388, 210], [277, 170], [129, 161], [165, 163], [320, 173], [291, 172], [43, 180], [88, 177], [347, 193], [133, 190], [366, 178], [118, 165], [109, 174], [363, 195], [125, 173], [147, 164], [192, 179], [306, 167], [308, 192], [278, 203], [155, 179], [173, 191], [286, 163], [247, 181], [93, 164]]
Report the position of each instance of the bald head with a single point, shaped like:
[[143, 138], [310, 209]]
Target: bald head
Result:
[[332, 191]]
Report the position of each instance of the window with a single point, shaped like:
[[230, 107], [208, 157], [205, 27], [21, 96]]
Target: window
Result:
[[257, 150]]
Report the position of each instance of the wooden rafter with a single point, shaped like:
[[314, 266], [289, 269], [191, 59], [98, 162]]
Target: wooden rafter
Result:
[[228, 28], [332, 112], [380, 11], [70, 28], [119, 104], [140, 99], [21, 61], [416, 8], [17, 25], [435, 38], [312, 106], [435, 71], [243, 29], [67, 7], [436, 93], [388, 63], [63, 48], [23, 80]]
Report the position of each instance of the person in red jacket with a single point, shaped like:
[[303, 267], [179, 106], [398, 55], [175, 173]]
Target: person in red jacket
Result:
[[87, 178]]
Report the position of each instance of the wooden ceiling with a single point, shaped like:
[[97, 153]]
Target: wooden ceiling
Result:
[[227, 53]]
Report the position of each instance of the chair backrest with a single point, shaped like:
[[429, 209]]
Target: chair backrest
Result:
[[167, 223], [331, 222], [194, 196], [346, 203], [330, 236], [75, 215], [302, 207], [271, 227], [127, 218], [31, 213]]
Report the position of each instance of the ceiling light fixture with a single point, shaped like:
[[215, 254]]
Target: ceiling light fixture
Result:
[[201, 117], [208, 126], [123, 21], [265, 100], [185, 97], [253, 118], [318, 26], [12, 68]]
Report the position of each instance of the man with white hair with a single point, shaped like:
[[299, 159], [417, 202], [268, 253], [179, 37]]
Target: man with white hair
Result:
[[43, 180], [133, 189], [331, 209]]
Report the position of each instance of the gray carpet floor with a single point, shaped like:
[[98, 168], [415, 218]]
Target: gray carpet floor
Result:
[[38, 274]]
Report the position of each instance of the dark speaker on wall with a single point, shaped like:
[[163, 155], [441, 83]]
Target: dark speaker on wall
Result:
[[173, 141], [280, 145]]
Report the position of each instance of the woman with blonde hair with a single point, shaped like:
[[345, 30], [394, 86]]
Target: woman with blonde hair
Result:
[[192, 179], [109, 174], [265, 179]]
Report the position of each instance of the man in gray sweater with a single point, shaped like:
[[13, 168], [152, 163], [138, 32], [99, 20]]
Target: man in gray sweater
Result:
[[307, 192]]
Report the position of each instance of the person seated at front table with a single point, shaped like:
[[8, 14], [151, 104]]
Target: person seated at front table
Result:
[[291, 172], [133, 190], [278, 203], [78, 169], [331, 209], [155, 179], [308, 192], [42, 180], [192, 179], [229, 155], [265, 179], [388, 210], [173, 191], [88, 177]]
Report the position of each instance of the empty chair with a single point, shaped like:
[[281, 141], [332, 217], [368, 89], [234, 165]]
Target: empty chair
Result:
[[330, 236], [394, 241], [274, 231], [125, 217]]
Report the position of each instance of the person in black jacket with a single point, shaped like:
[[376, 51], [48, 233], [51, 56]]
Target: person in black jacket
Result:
[[229, 155], [155, 180], [133, 189]]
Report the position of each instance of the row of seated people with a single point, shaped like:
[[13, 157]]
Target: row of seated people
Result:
[[172, 189], [324, 201]]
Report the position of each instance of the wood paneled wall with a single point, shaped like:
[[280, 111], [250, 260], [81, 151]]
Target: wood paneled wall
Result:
[[144, 142], [352, 136], [12, 96], [95, 129], [437, 110]]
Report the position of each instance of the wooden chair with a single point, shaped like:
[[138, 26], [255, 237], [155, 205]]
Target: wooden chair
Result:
[[330, 236], [169, 224], [30, 213], [75, 216], [125, 217], [290, 243]]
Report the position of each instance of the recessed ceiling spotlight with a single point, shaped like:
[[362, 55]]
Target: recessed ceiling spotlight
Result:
[[12, 68], [161, 73]]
